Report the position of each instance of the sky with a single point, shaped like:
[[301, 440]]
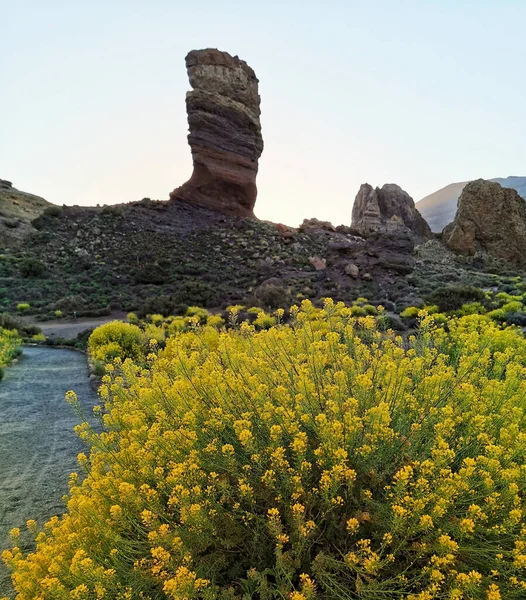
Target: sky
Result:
[[419, 93]]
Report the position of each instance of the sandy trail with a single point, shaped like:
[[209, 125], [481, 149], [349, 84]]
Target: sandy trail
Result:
[[70, 329], [38, 446]]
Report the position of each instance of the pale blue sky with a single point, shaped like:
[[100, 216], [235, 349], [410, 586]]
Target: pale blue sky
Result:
[[419, 93]]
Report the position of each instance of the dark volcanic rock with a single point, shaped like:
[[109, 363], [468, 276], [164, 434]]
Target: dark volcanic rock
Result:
[[489, 219], [383, 254], [225, 133], [387, 210]]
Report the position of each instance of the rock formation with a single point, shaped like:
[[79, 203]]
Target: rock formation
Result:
[[440, 207], [387, 210], [489, 219], [225, 133]]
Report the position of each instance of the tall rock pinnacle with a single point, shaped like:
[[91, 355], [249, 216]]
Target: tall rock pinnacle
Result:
[[225, 133]]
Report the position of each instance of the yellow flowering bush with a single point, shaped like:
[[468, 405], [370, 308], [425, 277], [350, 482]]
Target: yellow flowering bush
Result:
[[321, 459], [117, 339], [9, 347]]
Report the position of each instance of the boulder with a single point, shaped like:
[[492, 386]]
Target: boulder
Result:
[[352, 270], [225, 133], [320, 264], [490, 219], [388, 209]]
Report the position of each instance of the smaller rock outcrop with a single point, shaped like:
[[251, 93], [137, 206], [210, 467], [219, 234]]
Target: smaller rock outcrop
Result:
[[387, 210], [489, 219], [313, 223], [225, 133]]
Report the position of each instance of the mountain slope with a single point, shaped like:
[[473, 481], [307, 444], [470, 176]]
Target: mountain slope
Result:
[[439, 208], [17, 210]]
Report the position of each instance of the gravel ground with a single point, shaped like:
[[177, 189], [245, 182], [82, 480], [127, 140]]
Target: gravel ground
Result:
[[70, 329], [38, 447]]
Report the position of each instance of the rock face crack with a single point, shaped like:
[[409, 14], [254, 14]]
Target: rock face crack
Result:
[[224, 133]]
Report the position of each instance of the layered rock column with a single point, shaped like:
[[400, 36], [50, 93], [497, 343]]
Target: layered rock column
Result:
[[225, 133]]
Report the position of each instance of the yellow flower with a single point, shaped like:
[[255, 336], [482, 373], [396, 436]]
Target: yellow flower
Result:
[[493, 592], [227, 449], [353, 525], [467, 525]]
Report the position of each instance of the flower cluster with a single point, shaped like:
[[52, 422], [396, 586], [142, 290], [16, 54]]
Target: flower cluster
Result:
[[9, 346], [319, 459]]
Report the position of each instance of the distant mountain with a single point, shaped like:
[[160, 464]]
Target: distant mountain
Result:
[[439, 208]]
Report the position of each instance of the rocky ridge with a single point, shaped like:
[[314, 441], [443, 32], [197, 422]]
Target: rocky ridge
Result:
[[225, 133], [205, 247], [388, 210]]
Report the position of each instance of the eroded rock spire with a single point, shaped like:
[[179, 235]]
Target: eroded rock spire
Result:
[[225, 133]]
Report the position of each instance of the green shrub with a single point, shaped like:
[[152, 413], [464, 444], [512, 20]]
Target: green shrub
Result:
[[112, 209], [431, 309], [453, 297], [150, 273], [98, 368], [513, 307], [53, 211], [504, 298], [264, 321], [271, 296], [7, 321], [194, 293], [498, 315], [200, 313], [370, 309], [23, 306], [155, 319], [386, 322], [410, 312], [516, 318], [177, 324], [471, 308], [215, 321], [163, 304], [74, 303], [31, 267], [154, 332]]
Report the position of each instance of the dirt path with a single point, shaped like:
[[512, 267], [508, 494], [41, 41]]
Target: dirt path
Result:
[[38, 447], [70, 329]]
